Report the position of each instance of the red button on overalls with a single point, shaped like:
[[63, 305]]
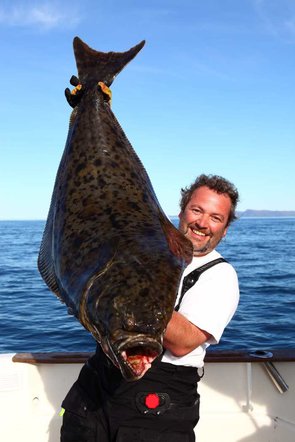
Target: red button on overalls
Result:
[[152, 400]]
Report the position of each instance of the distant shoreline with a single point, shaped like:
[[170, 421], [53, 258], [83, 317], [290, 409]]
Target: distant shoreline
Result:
[[249, 213]]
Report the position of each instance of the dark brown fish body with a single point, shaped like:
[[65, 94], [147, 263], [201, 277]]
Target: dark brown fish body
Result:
[[108, 251]]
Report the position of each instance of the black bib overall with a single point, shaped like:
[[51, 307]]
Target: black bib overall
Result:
[[163, 406]]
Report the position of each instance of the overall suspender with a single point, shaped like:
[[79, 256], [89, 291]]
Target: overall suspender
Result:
[[190, 279]]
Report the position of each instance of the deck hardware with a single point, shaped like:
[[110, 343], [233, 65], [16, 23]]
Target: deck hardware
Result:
[[271, 370], [249, 405], [276, 377], [261, 354]]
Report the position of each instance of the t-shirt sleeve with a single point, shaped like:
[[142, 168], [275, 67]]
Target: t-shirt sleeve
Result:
[[211, 303]]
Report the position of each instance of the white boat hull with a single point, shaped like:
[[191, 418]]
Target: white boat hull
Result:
[[239, 401]]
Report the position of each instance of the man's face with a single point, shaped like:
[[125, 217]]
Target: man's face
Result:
[[204, 219]]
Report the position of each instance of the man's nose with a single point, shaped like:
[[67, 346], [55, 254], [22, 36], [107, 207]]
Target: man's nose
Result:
[[203, 220]]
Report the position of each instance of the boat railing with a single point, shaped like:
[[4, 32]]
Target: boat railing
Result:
[[280, 355], [267, 358]]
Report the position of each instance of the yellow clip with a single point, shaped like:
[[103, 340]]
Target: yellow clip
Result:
[[62, 412], [77, 89], [106, 90]]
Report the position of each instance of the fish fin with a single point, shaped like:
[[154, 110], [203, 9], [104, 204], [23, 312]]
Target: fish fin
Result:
[[95, 66], [45, 262], [179, 245]]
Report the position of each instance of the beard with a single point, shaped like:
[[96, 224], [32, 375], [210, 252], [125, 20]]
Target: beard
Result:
[[205, 246], [199, 247]]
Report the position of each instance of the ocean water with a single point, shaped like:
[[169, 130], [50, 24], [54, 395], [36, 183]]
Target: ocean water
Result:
[[261, 249]]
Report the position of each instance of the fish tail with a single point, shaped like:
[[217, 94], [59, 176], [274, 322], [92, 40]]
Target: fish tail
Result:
[[95, 66]]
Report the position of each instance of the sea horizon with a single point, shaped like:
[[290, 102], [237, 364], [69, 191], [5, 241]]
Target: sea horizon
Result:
[[241, 215], [33, 318]]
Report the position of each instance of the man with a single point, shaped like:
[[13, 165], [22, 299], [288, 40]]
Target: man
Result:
[[164, 404]]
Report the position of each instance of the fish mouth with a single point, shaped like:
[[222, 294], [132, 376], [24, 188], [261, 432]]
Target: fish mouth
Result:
[[134, 356]]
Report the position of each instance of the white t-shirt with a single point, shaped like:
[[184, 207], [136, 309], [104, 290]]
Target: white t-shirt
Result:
[[209, 304]]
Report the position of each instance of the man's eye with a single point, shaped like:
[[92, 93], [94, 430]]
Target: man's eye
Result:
[[216, 219]]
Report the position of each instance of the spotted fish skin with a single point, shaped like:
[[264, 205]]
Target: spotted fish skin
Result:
[[108, 250]]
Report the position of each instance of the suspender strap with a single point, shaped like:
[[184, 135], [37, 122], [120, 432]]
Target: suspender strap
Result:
[[190, 279]]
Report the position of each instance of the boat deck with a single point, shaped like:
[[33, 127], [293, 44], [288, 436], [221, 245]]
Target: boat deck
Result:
[[245, 397]]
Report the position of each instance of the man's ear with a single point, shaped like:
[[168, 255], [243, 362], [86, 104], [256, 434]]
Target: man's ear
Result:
[[225, 232]]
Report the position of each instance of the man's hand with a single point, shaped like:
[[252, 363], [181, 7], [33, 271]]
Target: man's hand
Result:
[[73, 97]]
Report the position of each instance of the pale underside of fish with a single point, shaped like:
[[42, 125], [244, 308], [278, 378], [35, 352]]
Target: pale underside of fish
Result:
[[108, 250]]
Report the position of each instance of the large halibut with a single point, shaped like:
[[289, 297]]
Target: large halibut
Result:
[[108, 251]]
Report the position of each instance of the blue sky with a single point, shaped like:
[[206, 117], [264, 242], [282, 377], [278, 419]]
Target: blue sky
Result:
[[212, 91]]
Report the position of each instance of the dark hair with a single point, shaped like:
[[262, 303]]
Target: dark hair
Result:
[[216, 183]]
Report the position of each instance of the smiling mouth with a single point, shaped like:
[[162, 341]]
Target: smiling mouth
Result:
[[198, 233]]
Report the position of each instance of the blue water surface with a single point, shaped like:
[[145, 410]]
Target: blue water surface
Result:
[[261, 249]]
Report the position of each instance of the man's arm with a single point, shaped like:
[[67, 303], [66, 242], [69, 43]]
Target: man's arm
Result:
[[181, 336]]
